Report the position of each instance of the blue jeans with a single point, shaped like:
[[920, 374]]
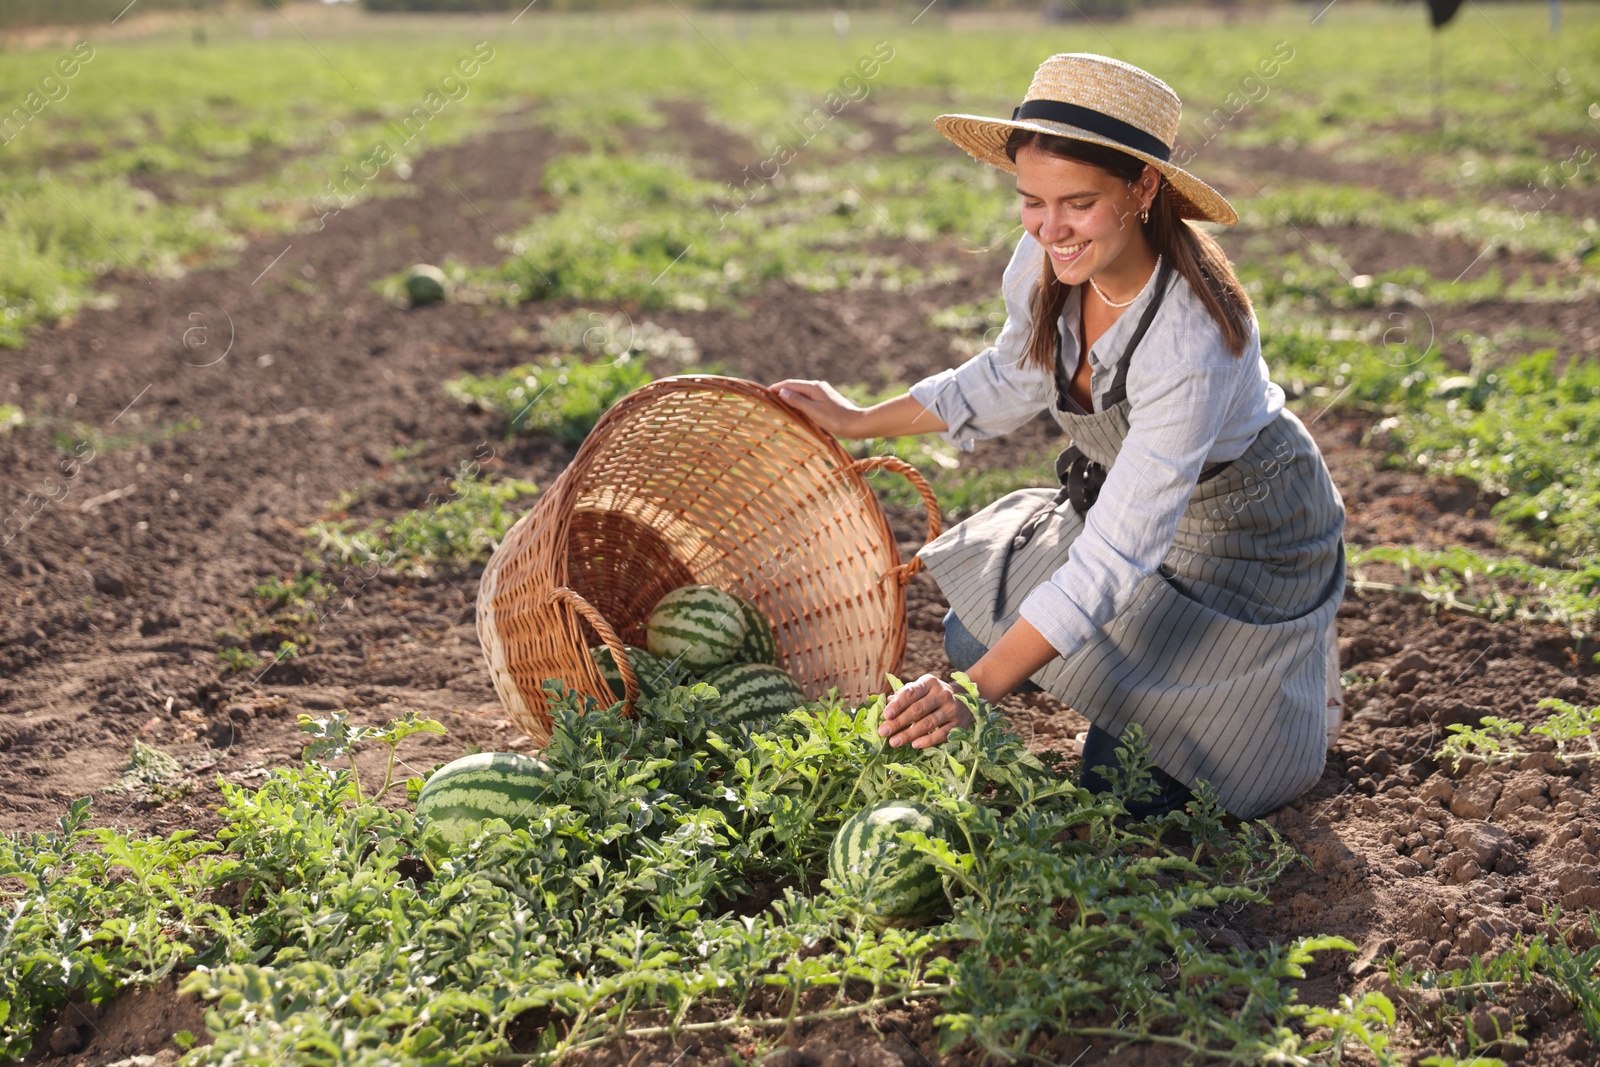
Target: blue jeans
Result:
[[1099, 747]]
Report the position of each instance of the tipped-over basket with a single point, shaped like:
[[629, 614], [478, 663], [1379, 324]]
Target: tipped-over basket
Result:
[[709, 479]]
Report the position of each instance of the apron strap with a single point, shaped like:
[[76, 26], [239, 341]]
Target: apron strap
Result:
[[1081, 478], [1119, 385]]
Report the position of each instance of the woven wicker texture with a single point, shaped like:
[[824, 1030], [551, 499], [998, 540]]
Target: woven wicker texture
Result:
[[709, 479], [1113, 88]]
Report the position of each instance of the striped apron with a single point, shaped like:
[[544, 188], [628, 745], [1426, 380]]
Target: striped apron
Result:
[[1222, 654]]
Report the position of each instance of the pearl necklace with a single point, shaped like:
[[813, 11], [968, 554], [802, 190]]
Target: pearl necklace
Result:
[[1112, 303]]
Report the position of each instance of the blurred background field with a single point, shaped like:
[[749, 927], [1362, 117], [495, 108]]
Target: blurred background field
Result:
[[1406, 195], [178, 141]]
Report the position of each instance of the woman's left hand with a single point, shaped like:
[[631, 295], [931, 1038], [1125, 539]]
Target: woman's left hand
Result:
[[923, 712]]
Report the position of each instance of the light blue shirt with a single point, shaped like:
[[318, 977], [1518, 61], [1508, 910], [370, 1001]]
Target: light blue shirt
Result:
[[1193, 403]]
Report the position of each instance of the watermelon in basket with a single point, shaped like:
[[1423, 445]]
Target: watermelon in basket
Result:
[[699, 480]]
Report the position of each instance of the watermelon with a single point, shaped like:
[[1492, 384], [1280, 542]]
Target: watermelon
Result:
[[754, 691], [654, 674], [895, 884], [484, 785], [698, 626], [424, 284], [760, 644]]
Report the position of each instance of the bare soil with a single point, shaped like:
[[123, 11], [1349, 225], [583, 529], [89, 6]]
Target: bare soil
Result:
[[117, 585]]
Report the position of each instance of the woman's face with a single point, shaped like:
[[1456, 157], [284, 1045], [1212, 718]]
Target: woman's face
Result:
[[1085, 217]]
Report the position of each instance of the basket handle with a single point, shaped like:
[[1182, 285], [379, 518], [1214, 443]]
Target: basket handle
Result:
[[930, 503], [619, 656]]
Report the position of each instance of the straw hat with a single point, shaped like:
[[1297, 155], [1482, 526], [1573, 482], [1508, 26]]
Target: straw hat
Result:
[[1103, 101]]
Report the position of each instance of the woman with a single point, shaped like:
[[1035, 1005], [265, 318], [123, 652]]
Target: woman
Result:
[[1186, 575]]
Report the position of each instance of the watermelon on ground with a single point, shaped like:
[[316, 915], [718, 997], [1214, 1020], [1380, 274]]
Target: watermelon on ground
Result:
[[485, 785], [760, 644], [895, 884], [654, 673], [425, 284], [752, 692], [698, 626]]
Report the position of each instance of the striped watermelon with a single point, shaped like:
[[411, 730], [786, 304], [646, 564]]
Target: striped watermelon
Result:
[[654, 674], [698, 626], [896, 884], [484, 785], [754, 691], [760, 644]]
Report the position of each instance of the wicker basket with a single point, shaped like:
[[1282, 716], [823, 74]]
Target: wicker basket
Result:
[[699, 478]]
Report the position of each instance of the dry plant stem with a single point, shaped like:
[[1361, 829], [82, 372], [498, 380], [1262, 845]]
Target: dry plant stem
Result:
[[725, 1024], [1448, 600]]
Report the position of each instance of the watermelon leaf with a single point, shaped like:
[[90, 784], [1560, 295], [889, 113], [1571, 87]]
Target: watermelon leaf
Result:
[[664, 867]]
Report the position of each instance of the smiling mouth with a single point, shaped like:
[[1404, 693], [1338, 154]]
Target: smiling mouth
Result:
[[1066, 253]]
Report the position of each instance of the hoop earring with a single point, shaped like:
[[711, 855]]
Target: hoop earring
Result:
[[1144, 215]]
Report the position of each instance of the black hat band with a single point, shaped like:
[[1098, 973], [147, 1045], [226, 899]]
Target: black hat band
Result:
[[1087, 118]]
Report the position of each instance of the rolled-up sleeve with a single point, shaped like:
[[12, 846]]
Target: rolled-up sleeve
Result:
[[1177, 412], [993, 393]]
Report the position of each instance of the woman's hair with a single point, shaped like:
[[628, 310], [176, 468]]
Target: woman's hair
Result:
[[1191, 251]]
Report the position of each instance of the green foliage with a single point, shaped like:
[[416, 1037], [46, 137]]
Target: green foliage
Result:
[[280, 624], [646, 231], [18, 13], [238, 659], [1361, 371], [1482, 742], [458, 531], [1548, 234], [55, 248], [298, 591], [1493, 740], [960, 492], [562, 395], [1522, 432], [976, 326], [1529, 436], [89, 912], [1440, 1004], [1296, 283], [336, 738], [71, 435], [613, 336], [1364, 1023], [1495, 587], [153, 775], [454, 6], [629, 910], [176, 147]]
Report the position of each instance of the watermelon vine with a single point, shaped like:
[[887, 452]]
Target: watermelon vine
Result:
[[674, 885]]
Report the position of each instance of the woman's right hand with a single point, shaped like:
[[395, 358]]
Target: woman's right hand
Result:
[[831, 410]]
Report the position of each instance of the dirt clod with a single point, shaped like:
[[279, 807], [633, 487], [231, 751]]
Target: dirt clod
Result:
[[784, 1057], [877, 1056], [66, 1039], [1372, 956], [1490, 1022], [1475, 797], [837, 1057], [1484, 843]]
